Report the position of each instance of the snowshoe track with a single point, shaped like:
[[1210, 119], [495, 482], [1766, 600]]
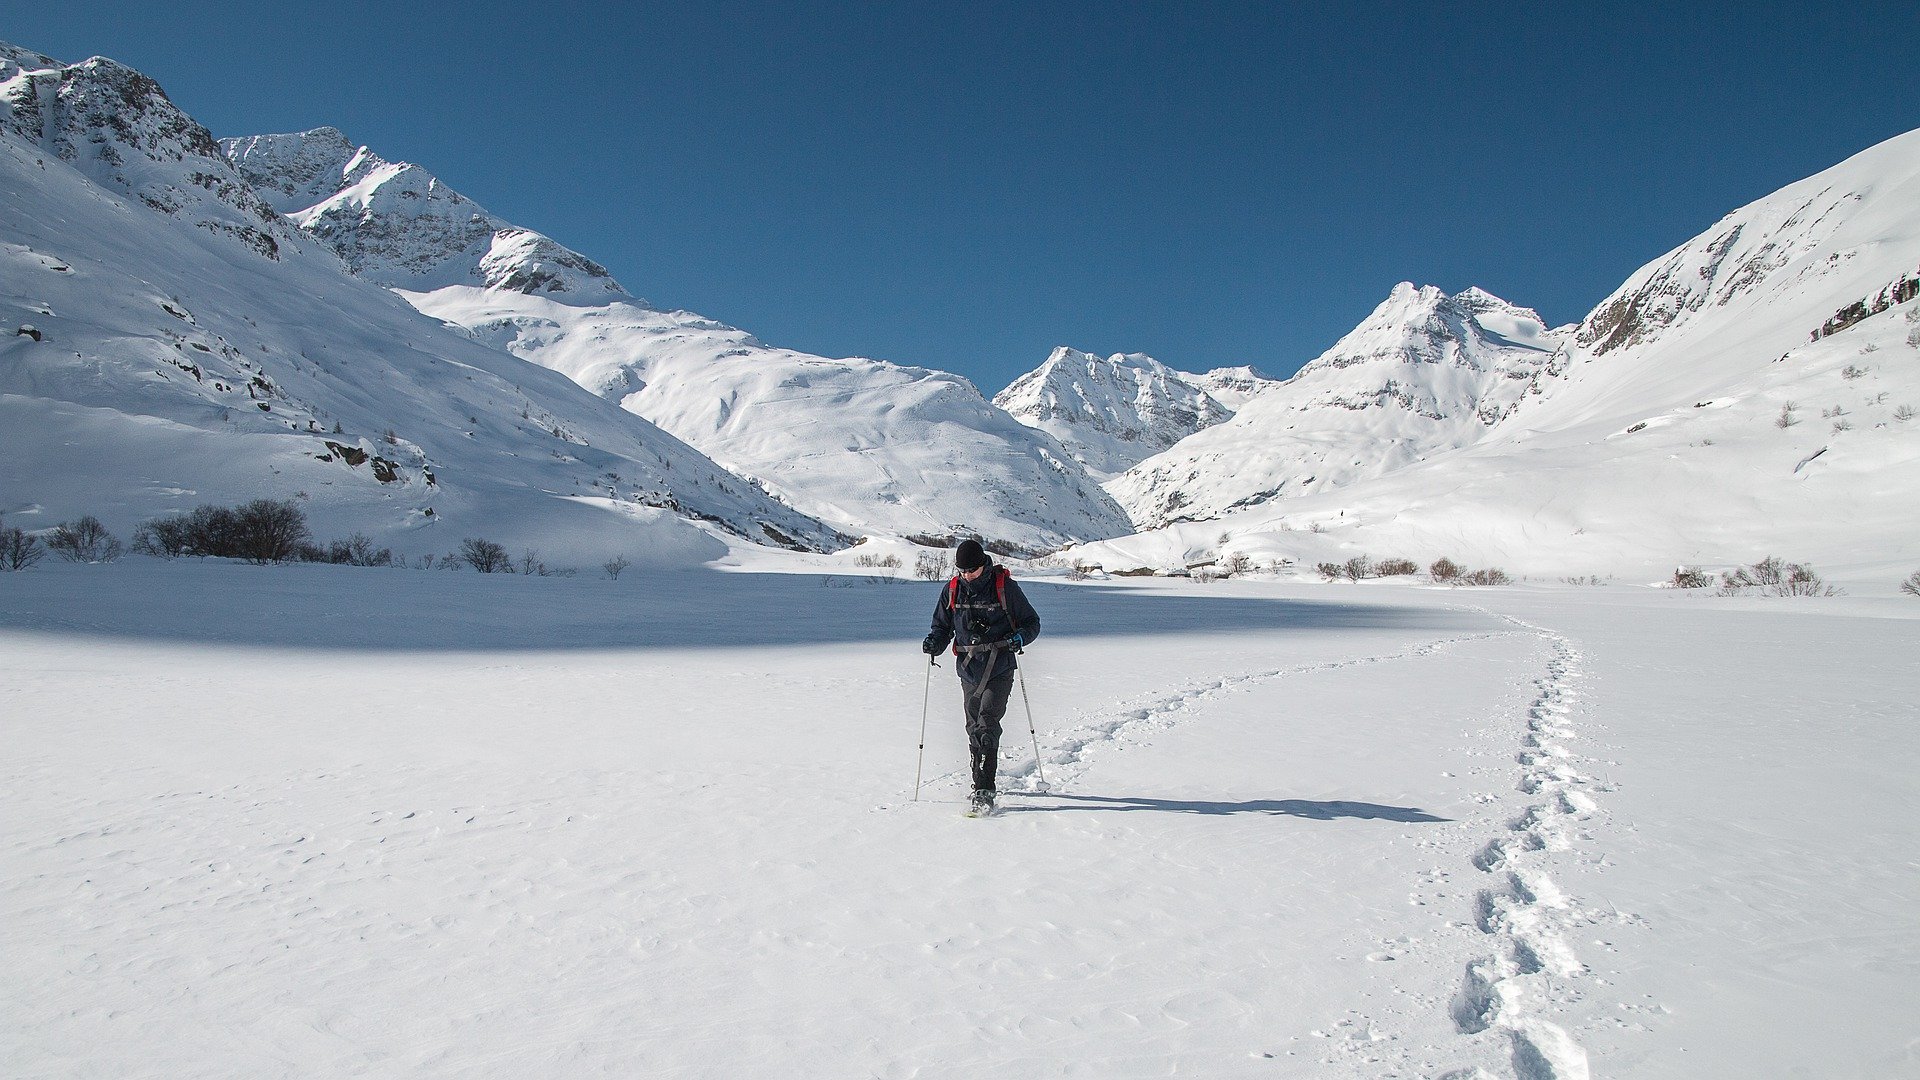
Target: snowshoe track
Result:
[[1065, 754], [1522, 911]]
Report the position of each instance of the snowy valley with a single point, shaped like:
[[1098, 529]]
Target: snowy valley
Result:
[[314, 820]]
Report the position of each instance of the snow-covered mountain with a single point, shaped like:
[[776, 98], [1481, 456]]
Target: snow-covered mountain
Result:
[[170, 340], [870, 446], [1425, 372], [1112, 413], [1754, 392], [395, 224]]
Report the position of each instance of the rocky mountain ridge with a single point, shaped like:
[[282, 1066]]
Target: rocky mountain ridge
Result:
[[397, 225], [871, 446], [1113, 412], [197, 346], [1425, 373]]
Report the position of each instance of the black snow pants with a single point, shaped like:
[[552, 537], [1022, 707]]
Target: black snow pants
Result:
[[986, 704]]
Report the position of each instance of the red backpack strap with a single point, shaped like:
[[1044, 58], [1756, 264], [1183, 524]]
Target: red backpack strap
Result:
[[1000, 579], [953, 592]]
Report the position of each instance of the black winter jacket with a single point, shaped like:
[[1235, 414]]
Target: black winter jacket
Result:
[[976, 617]]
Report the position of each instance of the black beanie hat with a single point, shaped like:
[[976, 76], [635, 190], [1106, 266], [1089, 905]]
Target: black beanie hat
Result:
[[968, 555]]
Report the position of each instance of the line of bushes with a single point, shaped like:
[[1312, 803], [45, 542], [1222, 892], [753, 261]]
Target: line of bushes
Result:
[[262, 531], [1442, 571], [1770, 576]]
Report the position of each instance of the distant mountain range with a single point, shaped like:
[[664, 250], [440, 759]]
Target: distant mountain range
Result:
[[1751, 393], [188, 320], [868, 446]]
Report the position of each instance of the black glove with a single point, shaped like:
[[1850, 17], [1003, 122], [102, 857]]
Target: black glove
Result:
[[933, 644]]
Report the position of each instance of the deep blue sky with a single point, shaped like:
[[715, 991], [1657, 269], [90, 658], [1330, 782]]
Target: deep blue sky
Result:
[[967, 186]]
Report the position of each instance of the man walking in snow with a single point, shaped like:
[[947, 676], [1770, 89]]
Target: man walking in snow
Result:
[[988, 619]]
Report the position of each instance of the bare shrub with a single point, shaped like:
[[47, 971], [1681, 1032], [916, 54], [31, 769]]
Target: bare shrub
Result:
[[1358, 568], [871, 559], [1332, 571], [530, 564], [1396, 568], [1786, 419], [1691, 577], [1235, 565], [1489, 576], [1911, 586], [269, 530], [1903, 414], [930, 566], [83, 540], [262, 531], [485, 556], [1445, 569], [18, 549], [1772, 576], [613, 566], [165, 537], [357, 550]]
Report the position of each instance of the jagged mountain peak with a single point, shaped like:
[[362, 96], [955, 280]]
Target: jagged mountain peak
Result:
[[1112, 412], [1425, 372], [1424, 324], [119, 129], [398, 225], [296, 170]]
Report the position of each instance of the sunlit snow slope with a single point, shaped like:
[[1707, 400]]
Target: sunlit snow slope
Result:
[[1425, 372], [170, 340], [1753, 392], [870, 446]]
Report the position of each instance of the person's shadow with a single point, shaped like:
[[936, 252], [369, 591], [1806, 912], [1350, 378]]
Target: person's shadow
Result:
[[1317, 810]]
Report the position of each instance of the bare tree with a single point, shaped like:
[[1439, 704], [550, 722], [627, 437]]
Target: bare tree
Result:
[[270, 530], [1911, 586], [485, 556], [84, 540], [18, 549], [614, 565]]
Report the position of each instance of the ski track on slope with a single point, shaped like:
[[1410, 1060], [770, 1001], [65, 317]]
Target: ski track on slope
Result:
[[1118, 725], [1524, 915]]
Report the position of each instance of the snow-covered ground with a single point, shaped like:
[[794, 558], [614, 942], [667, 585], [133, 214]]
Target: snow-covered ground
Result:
[[327, 821]]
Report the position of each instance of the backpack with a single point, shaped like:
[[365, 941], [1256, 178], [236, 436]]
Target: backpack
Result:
[[1000, 579]]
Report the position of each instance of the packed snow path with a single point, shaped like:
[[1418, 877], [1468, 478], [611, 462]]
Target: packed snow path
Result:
[[324, 821]]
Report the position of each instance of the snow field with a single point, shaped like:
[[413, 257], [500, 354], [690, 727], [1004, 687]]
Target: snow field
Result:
[[316, 821]]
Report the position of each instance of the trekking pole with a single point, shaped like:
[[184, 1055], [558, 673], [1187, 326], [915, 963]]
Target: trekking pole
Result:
[[1028, 702], [925, 698]]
